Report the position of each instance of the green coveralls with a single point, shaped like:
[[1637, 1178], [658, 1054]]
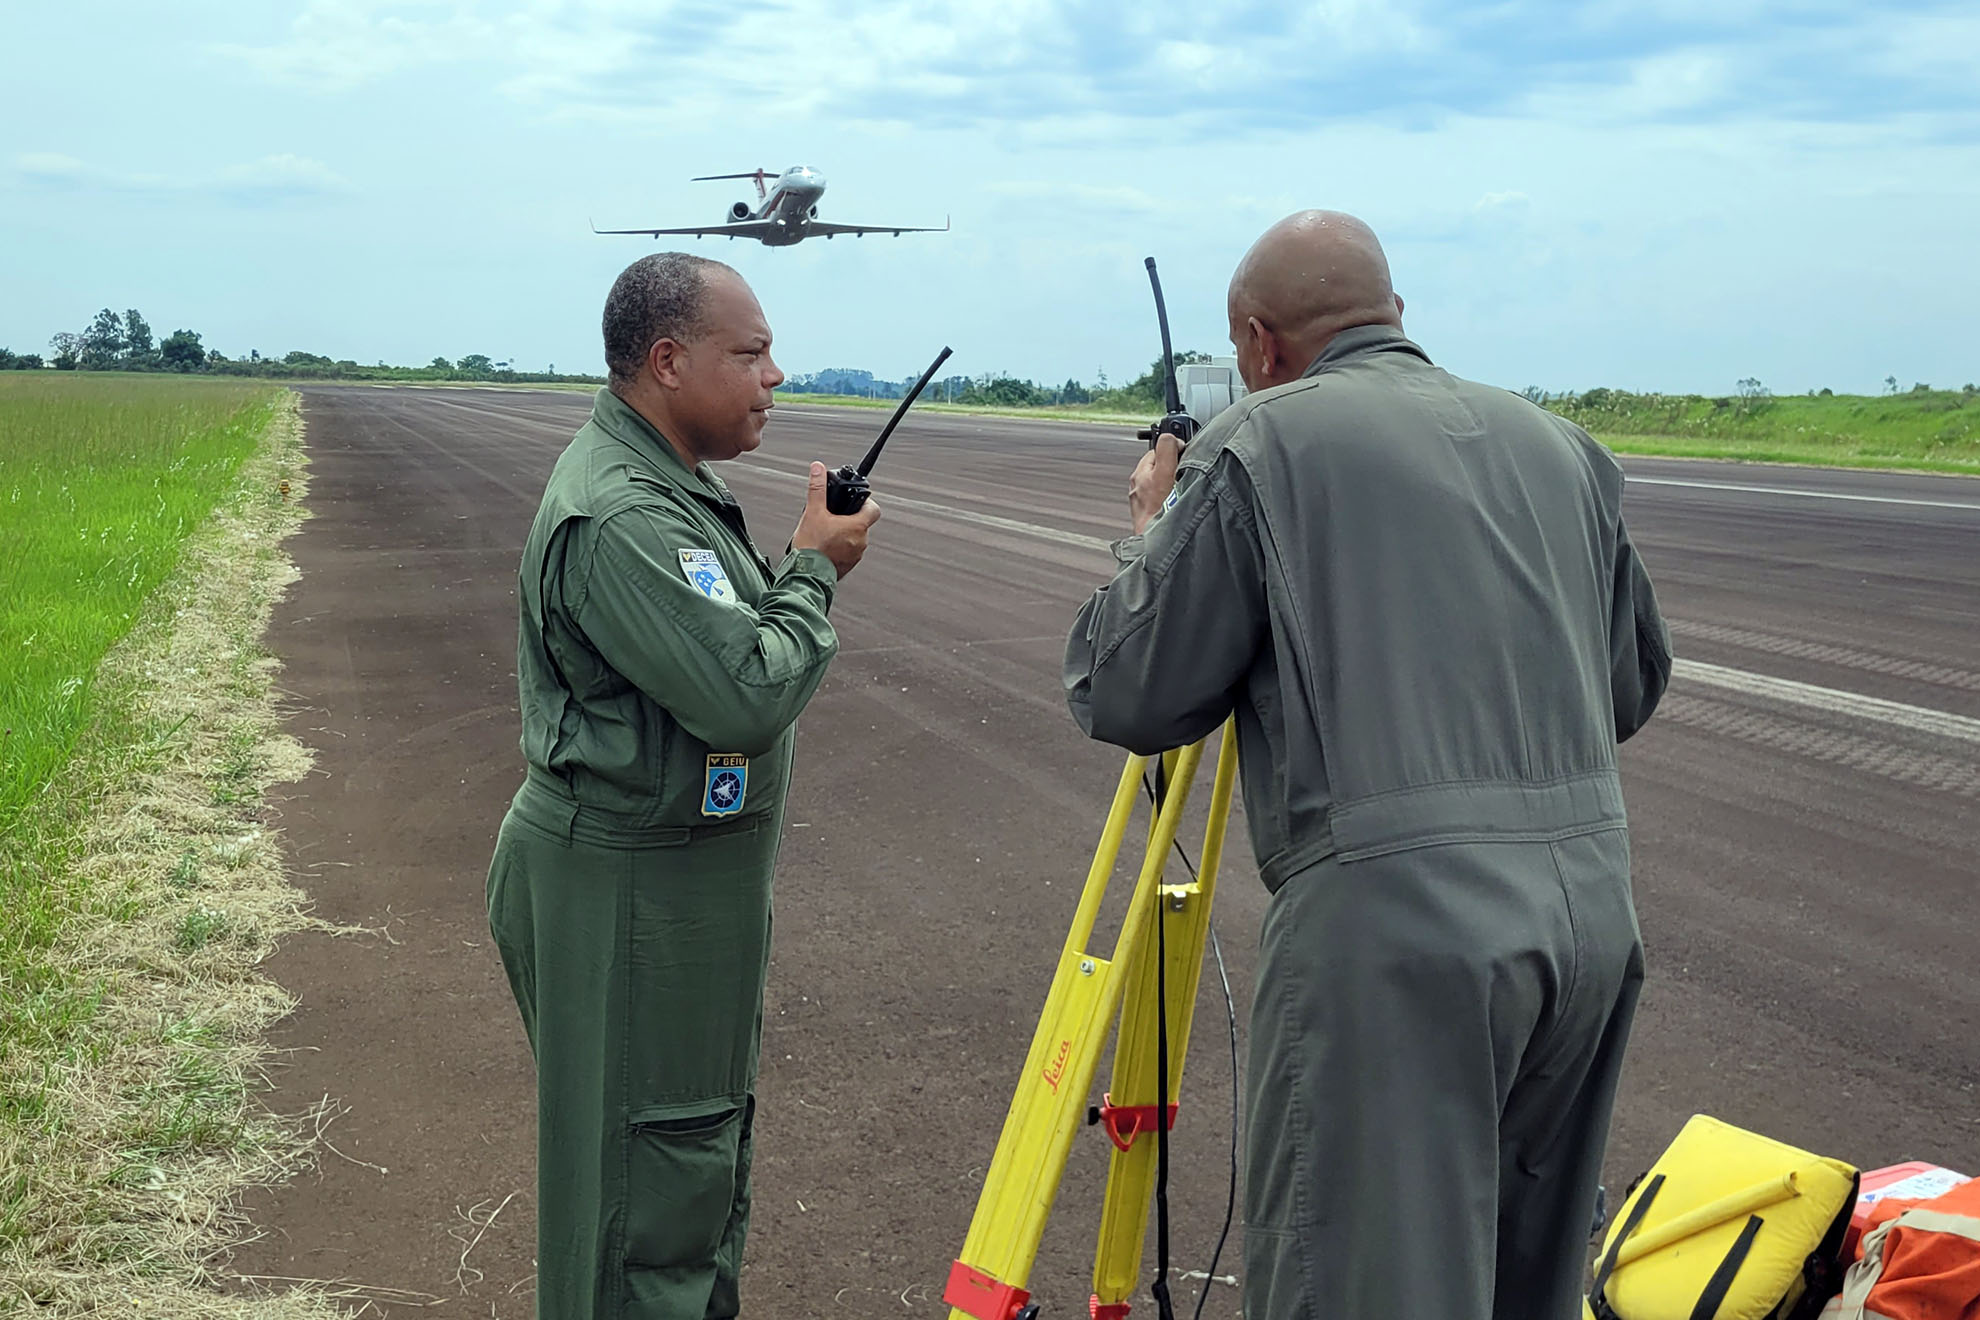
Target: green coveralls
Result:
[[1418, 597], [662, 664]]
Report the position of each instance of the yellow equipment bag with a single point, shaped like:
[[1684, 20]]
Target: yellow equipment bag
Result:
[[1726, 1225]]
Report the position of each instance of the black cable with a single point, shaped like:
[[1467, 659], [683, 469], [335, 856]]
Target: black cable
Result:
[[1230, 1016], [1230, 1201]]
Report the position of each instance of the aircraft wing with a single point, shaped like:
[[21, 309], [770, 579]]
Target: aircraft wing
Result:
[[736, 229], [825, 229]]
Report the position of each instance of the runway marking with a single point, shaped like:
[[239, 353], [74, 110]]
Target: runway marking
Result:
[[1827, 653], [1970, 507], [1079, 539], [1784, 733], [1835, 701]]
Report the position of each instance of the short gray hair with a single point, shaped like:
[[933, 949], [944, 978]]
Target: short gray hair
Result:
[[664, 296]]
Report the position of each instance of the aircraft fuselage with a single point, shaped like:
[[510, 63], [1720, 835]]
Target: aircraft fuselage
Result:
[[792, 203]]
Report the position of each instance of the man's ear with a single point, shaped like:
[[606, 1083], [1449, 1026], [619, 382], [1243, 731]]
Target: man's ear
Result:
[[1270, 350], [1398, 298], [664, 361]]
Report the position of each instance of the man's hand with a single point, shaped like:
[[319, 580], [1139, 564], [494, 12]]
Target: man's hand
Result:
[[840, 539], [1154, 477]]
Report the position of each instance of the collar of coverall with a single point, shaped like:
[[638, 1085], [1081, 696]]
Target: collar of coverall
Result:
[[618, 419], [1360, 341]]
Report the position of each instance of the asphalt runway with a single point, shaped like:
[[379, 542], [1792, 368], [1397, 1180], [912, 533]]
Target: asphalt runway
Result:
[[1804, 811]]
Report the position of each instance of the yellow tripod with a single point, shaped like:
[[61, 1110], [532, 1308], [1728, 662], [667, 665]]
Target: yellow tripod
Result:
[[987, 1282]]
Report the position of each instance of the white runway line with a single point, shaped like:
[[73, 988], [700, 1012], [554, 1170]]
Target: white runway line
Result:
[[1834, 701], [1970, 507]]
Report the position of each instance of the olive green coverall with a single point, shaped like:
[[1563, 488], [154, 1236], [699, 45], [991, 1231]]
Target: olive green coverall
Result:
[[1418, 596], [662, 664]]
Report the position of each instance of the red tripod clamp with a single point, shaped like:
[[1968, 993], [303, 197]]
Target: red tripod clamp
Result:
[[1126, 1122]]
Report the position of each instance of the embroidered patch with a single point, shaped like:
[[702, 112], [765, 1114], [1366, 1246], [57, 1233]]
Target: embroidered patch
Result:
[[704, 573], [728, 783], [1175, 493]]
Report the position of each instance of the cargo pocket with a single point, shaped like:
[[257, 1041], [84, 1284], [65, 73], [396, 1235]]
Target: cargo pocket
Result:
[[681, 1186]]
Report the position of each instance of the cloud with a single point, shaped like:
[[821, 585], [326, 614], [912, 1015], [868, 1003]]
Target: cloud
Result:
[[1256, 63], [279, 178], [270, 179]]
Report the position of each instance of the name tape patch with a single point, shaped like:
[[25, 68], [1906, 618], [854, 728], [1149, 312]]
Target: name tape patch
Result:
[[728, 783], [704, 573]]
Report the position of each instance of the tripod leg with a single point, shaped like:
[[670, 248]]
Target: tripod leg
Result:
[[1131, 1172], [987, 1280]]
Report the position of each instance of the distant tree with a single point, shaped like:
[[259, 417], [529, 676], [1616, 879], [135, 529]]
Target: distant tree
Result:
[[66, 350], [1921, 388], [1890, 384], [182, 351], [298, 358], [138, 349], [9, 361], [1969, 388], [1751, 388], [103, 342], [440, 364], [477, 364], [29, 362], [1826, 393], [254, 355], [214, 357], [1074, 392], [1533, 394], [1149, 385]]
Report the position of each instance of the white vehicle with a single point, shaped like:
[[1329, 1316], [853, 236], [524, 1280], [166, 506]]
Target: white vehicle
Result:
[[1207, 388]]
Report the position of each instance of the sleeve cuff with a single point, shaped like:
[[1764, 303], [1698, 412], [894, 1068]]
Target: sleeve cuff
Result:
[[813, 565], [1127, 549]]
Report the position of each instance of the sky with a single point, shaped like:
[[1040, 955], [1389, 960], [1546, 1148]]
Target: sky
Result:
[[1664, 195]]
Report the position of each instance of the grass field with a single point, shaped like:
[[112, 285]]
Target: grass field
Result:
[[101, 478], [140, 521], [1930, 430]]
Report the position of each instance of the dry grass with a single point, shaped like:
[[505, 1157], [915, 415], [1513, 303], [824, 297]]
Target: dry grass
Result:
[[129, 1117]]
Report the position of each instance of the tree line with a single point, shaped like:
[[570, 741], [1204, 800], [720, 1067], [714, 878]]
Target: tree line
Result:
[[999, 389], [126, 343]]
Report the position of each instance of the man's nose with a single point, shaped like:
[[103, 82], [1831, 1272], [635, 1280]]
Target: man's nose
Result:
[[773, 375]]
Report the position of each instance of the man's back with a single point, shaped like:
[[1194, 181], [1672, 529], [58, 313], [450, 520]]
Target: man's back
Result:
[[1447, 638]]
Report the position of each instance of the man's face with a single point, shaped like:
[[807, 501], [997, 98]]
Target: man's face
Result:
[[722, 381]]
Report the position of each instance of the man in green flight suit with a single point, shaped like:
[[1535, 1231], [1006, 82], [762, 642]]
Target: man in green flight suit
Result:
[[662, 663], [1419, 599]]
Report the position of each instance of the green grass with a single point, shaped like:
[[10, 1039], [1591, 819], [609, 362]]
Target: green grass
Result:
[[1929, 430], [101, 478]]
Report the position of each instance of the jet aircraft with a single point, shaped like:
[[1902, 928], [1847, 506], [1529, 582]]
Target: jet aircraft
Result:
[[786, 212]]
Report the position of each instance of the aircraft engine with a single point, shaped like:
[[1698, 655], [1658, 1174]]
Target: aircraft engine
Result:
[[739, 211], [812, 214]]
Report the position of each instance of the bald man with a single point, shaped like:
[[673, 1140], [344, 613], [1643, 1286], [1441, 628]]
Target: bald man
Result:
[[1417, 596]]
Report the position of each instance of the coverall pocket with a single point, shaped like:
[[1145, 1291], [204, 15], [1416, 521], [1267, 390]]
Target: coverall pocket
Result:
[[681, 1187]]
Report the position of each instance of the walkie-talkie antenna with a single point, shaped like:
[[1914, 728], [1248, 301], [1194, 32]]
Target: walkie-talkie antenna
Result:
[[1175, 421], [866, 464], [1171, 396], [845, 488]]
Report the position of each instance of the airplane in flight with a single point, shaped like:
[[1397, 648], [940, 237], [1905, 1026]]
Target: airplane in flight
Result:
[[786, 212]]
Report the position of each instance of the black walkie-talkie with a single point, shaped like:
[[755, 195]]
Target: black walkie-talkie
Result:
[[846, 489], [1175, 421]]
